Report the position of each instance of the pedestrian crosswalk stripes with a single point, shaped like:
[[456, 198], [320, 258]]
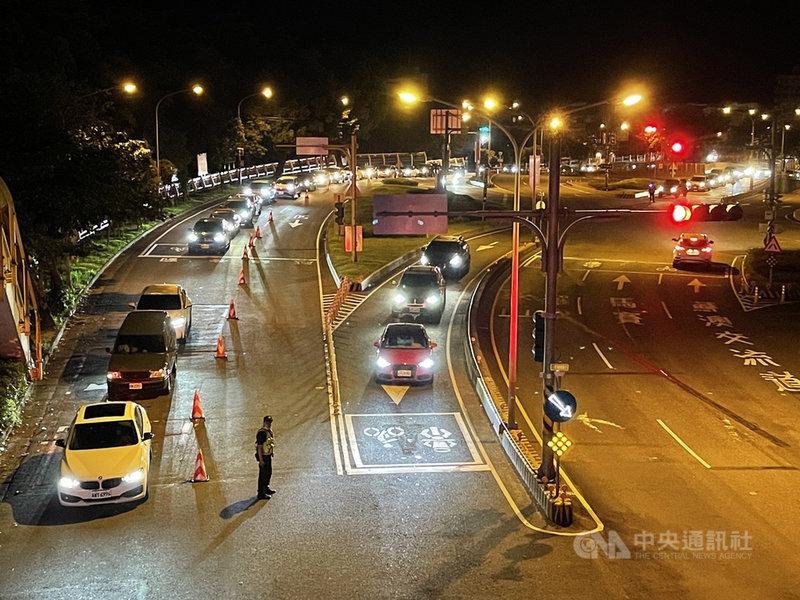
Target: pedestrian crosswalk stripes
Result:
[[351, 302]]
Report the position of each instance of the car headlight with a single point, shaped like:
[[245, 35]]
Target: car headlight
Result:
[[158, 374], [136, 476], [178, 322], [433, 299], [424, 260], [400, 299], [219, 238], [193, 237], [455, 261], [427, 363], [113, 375], [382, 362], [68, 483]]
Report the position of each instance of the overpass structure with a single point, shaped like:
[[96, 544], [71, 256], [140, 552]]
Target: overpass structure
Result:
[[20, 333]]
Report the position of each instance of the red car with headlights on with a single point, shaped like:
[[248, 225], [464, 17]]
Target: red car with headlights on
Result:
[[405, 354]]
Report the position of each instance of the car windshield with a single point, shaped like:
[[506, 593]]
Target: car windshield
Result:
[[208, 227], [103, 434], [444, 248], [159, 302], [415, 280], [405, 337], [238, 204], [139, 344]]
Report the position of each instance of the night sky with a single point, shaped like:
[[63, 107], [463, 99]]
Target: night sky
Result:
[[543, 54]]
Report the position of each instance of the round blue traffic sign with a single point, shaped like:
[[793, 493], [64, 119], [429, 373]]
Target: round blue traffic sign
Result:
[[560, 406]]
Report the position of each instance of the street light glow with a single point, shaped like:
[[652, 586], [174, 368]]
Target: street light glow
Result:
[[408, 97], [267, 92], [129, 87], [197, 89], [632, 99]]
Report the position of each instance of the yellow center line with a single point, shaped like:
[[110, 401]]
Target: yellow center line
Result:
[[682, 443]]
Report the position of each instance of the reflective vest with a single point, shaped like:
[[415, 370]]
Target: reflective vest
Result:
[[269, 443]]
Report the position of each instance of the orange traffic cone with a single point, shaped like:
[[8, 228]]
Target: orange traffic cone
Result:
[[232, 312], [258, 230], [306, 198], [220, 349], [269, 219], [242, 280], [197, 412], [199, 468], [252, 243], [244, 254]]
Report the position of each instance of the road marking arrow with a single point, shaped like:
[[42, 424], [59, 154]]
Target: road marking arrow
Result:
[[396, 393], [486, 247], [93, 387], [621, 281], [295, 223], [696, 284]]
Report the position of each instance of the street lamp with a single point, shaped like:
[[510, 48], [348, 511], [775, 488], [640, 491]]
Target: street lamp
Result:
[[128, 87], [195, 89], [266, 92], [514, 307]]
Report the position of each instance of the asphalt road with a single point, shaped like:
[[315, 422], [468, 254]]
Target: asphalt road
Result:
[[365, 506]]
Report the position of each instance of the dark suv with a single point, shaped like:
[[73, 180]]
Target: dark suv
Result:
[[246, 208], [420, 293], [450, 253]]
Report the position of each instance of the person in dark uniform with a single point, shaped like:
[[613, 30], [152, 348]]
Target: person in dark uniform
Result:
[[651, 190], [265, 444]]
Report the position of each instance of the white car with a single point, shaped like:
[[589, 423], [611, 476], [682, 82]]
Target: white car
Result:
[[172, 298], [106, 455]]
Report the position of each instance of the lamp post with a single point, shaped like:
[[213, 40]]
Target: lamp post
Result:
[[128, 87], [266, 92], [195, 89], [514, 302]]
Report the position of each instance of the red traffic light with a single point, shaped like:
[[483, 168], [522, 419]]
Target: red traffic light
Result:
[[677, 147], [681, 213]]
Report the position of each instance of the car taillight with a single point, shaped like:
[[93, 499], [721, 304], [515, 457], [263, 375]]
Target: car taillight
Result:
[[707, 249], [113, 375]]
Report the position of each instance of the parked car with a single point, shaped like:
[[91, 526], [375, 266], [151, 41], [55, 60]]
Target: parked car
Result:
[[405, 354], [106, 456], [171, 297], [420, 293], [450, 253], [210, 235], [144, 357]]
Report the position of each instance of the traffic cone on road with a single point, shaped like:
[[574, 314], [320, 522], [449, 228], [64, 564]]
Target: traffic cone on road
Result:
[[258, 232], [199, 468], [232, 312], [220, 349], [306, 198], [242, 280], [252, 242], [269, 219], [244, 254], [197, 412]]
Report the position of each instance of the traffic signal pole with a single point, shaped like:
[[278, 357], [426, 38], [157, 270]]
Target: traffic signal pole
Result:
[[552, 264]]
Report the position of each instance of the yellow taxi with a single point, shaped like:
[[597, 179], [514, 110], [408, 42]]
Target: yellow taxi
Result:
[[106, 455]]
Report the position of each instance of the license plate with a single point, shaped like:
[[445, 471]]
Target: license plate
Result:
[[134, 386], [102, 494], [403, 372], [692, 252], [205, 246], [414, 309]]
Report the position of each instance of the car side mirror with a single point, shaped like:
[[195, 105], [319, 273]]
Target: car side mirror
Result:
[[376, 344], [434, 344], [710, 241], [148, 435], [674, 239], [61, 443]]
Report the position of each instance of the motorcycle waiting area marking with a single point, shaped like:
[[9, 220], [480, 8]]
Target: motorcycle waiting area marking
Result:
[[411, 442]]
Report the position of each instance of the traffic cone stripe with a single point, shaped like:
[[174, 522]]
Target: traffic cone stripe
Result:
[[270, 216], [252, 243], [199, 468], [232, 311], [197, 412], [244, 254], [258, 232], [242, 280]]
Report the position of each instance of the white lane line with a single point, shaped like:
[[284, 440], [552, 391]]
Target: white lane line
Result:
[[586, 275], [602, 356], [666, 310], [683, 444], [580, 307]]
